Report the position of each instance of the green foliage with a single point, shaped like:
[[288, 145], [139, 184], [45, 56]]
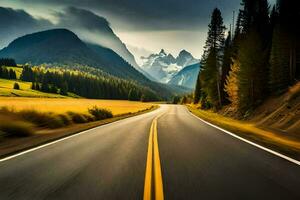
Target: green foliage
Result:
[[212, 57], [176, 100], [252, 74], [78, 118], [7, 62], [86, 85], [279, 62], [100, 113], [7, 73], [16, 86]]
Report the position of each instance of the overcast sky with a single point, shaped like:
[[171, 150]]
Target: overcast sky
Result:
[[143, 25]]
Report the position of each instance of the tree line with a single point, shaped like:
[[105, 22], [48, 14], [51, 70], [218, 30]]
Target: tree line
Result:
[[7, 62], [7, 73], [86, 85], [259, 57]]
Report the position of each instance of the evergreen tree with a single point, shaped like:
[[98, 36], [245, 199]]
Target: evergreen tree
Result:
[[12, 74], [226, 64], [279, 62], [197, 93], [16, 86], [212, 58], [253, 53], [33, 86]]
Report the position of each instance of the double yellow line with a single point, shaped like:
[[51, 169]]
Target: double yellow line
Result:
[[153, 168]]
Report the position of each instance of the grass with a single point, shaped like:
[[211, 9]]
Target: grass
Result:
[[6, 90], [11, 145], [64, 105], [17, 128], [283, 143]]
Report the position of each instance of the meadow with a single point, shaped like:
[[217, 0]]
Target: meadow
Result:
[[63, 105], [6, 90]]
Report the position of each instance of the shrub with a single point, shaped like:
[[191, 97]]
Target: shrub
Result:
[[16, 86], [17, 128], [66, 119], [48, 120], [78, 118], [100, 113]]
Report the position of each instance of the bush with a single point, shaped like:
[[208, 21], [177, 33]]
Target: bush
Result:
[[48, 120], [16, 86], [100, 113], [65, 119], [17, 128], [78, 118]]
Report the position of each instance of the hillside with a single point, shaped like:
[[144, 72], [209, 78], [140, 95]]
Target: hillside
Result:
[[63, 47], [186, 77], [281, 113]]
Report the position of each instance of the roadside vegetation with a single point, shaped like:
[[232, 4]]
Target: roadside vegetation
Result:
[[249, 79], [24, 126]]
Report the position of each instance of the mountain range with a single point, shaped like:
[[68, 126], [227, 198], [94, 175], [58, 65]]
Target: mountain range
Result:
[[163, 66], [62, 46], [186, 77]]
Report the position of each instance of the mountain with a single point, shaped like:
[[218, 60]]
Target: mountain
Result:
[[64, 47], [163, 66], [187, 77]]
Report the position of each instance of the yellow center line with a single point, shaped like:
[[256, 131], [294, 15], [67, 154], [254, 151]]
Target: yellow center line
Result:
[[148, 176], [153, 165]]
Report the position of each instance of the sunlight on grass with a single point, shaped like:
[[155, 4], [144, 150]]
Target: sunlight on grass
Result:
[[6, 89], [74, 105], [247, 129]]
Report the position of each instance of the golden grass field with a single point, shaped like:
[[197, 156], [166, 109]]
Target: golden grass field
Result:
[[60, 105]]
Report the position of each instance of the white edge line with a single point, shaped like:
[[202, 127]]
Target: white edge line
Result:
[[249, 142], [64, 138]]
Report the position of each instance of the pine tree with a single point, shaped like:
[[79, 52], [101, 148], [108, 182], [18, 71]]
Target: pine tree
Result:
[[197, 93], [279, 62], [226, 64], [16, 86], [253, 54], [212, 58]]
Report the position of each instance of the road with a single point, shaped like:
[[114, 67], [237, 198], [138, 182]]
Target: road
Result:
[[197, 161]]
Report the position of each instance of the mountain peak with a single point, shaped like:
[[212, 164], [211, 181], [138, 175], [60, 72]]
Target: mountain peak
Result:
[[162, 52], [184, 53]]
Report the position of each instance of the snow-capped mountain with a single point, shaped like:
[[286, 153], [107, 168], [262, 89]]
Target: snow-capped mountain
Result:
[[163, 66], [187, 77]]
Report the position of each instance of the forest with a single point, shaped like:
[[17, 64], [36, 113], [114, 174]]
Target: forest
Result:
[[258, 57], [82, 83]]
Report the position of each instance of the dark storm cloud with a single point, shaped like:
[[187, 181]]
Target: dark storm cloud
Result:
[[153, 14], [83, 19], [15, 23]]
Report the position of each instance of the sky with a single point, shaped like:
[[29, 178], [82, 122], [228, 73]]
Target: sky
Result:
[[145, 26]]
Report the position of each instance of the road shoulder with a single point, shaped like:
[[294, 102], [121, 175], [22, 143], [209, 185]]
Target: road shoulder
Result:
[[274, 141]]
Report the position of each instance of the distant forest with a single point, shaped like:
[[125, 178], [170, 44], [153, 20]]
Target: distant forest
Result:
[[258, 58], [98, 85], [86, 85]]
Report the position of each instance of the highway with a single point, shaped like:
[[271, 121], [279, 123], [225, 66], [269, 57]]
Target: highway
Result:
[[164, 154]]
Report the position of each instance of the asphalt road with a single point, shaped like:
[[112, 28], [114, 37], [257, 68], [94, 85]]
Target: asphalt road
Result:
[[109, 162]]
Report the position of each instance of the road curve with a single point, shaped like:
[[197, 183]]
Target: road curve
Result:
[[109, 162]]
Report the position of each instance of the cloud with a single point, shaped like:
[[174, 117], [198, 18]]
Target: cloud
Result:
[[138, 15], [15, 23], [80, 18]]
